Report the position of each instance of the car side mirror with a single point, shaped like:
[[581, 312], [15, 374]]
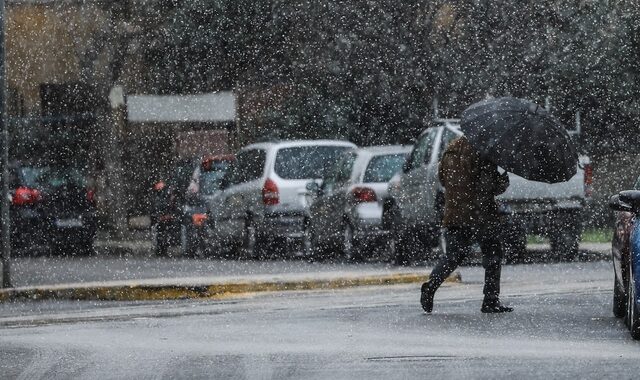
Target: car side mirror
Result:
[[617, 205], [628, 198]]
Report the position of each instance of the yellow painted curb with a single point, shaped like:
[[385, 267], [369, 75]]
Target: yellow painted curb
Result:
[[136, 292]]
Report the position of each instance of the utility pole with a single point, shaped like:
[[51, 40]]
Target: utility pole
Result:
[[5, 230]]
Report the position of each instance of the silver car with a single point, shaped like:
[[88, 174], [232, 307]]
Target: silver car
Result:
[[346, 214], [263, 205]]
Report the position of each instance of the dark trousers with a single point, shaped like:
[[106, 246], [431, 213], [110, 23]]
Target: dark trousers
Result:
[[459, 243]]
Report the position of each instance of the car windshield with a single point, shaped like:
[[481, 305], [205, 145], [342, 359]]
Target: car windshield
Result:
[[382, 168], [182, 175], [305, 162], [210, 180], [51, 177]]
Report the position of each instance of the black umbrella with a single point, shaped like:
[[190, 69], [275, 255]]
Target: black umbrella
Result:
[[521, 137]]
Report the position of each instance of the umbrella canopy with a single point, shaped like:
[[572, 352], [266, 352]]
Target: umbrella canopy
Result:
[[521, 137]]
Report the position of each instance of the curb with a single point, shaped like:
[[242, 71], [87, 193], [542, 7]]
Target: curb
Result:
[[181, 289]]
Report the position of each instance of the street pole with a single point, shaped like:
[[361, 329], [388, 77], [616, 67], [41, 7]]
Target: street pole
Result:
[[4, 152]]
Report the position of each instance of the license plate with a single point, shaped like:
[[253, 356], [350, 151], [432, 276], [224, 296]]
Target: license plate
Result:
[[68, 223]]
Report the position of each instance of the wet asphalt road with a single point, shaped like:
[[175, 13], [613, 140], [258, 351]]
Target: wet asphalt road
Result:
[[562, 327]]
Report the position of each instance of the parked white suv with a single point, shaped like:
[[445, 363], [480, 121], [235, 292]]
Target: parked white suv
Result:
[[263, 205]]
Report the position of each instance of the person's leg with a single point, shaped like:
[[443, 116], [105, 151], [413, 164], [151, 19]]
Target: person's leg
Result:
[[492, 263], [458, 246]]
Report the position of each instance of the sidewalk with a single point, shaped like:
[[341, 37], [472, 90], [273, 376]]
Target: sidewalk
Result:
[[129, 279]]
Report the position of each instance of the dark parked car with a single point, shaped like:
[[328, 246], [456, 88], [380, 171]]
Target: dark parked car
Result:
[[168, 197], [625, 249], [205, 184], [51, 206], [179, 208]]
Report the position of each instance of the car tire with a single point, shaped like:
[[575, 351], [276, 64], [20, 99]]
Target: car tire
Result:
[[85, 246], [308, 245], [399, 247], [565, 244], [251, 246], [159, 241], [619, 300], [58, 247], [633, 316], [319, 251], [565, 236], [188, 242], [351, 249]]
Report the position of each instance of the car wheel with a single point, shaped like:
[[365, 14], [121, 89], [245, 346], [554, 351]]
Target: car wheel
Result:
[[308, 245], [159, 241], [565, 245], [58, 247], [565, 237], [350, 246], [320, 250], [619, 300], [188, 246], [250, 247], [85, 246], [632, 308]]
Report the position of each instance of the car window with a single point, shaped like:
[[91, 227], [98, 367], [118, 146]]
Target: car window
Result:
[[181, 176], [211, 180], [329, 181], [422, 151], [382, 168], [447, 137], [306, 162], [249, 166], [47, 178], [336, 172], [637, 184], [30, 176], [345, 167]]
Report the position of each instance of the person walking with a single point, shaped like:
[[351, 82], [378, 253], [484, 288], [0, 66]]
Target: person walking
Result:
[[470, 214]]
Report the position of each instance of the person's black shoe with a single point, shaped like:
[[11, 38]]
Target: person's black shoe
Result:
[[494, 306], [426, 297]]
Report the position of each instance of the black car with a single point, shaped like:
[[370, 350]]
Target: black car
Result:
[[168, 198], [179, 209], [51, 207], [205, 184]]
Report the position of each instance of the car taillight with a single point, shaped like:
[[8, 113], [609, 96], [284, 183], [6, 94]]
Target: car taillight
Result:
[[588, 180], [199, 219], [91, 196], [25, 196], [364, 195], [270, 194]]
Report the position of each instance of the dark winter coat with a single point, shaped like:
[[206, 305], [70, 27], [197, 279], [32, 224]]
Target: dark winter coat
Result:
[[471, 184]]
